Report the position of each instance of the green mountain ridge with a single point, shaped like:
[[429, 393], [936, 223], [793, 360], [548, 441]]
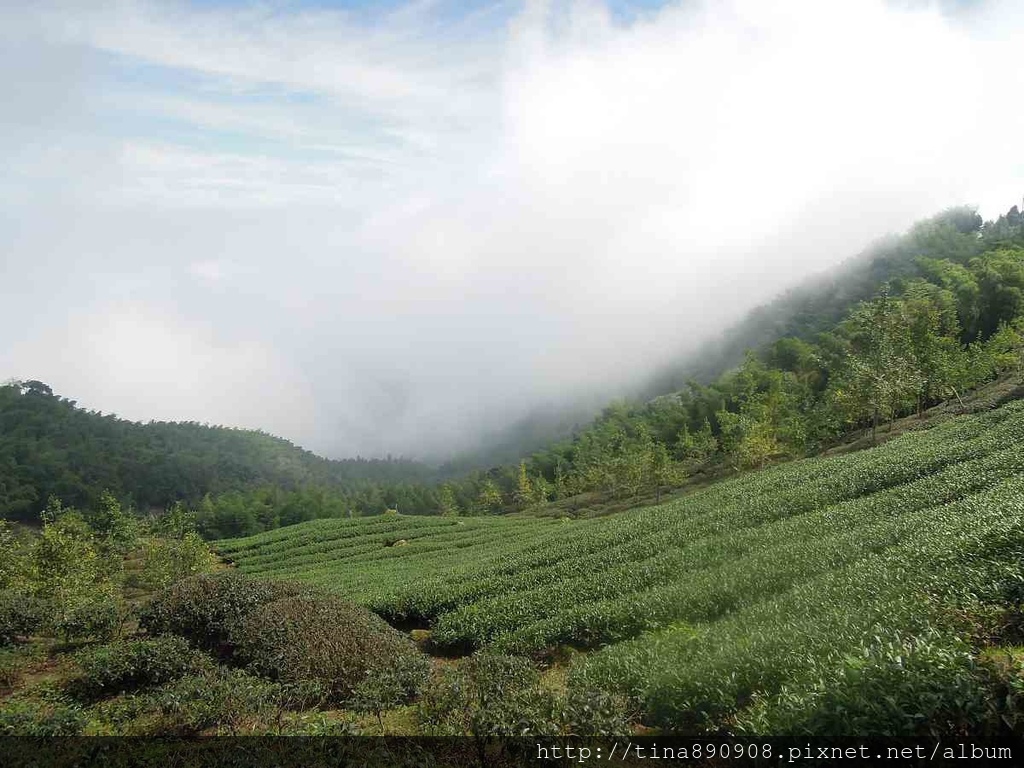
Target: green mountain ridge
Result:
[[49, 446]]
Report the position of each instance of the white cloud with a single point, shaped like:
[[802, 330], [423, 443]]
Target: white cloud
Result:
[[146, 362], [434, 225]]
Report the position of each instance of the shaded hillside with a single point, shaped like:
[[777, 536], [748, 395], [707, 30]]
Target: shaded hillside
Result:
[[50, 446], [821, 301]]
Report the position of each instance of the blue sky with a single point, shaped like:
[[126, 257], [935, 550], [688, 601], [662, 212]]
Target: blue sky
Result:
[[626, 9], [405, 224], [136, 78]]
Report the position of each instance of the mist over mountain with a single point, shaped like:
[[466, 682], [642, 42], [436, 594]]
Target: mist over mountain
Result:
[[910, 324], [813, 306], [499, 382], [395, 229]]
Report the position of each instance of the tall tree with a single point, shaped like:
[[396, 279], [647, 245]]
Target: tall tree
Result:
[[933, 332], [447, 506], [522, 497], [488, 500], [878, 369]]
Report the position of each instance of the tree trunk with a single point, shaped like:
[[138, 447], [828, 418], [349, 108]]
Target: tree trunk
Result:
[[962, 406], [874, 425]]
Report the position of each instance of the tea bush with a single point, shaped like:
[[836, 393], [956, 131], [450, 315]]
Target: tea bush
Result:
[[1003, 669], [595, 715], [898, 688], [227, 701], [493, 697], [167, 560], [40, 719], [478, 696], [322, 638], [134, 664], [207, 609], [99, 618], [21, 614], [388, 685]]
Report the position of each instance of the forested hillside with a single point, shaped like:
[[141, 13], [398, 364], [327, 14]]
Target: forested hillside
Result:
[[50, 447], [821, 301], [916, 321], [912, 324], [816, 305]]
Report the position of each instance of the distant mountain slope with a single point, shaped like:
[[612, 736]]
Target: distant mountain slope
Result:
[[48, 445], [820, 302], [816, 305]]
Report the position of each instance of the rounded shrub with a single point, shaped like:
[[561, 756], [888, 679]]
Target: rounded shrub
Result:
[[493, 696], [474, 695], [21, 614], [322, 638], [229, 701], [207, 609], [133, 664], [97, 618], [595, 714]]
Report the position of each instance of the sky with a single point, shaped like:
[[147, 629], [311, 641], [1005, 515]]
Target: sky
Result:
[[390, 227]]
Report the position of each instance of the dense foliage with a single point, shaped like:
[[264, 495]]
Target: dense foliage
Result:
[[324, 639], [132, 664], [496, 700], [914, 323], [65, 581], [209, 609], [50, 447], [822, 301], [169, 663], [68, 578]]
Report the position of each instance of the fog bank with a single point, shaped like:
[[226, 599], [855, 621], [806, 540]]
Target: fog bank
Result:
[[390, 231]]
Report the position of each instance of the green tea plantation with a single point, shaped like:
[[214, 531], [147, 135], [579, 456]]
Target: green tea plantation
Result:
[[848, 595]]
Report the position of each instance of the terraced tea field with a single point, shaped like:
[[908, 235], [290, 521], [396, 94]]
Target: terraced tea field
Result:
[[749, 589]]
